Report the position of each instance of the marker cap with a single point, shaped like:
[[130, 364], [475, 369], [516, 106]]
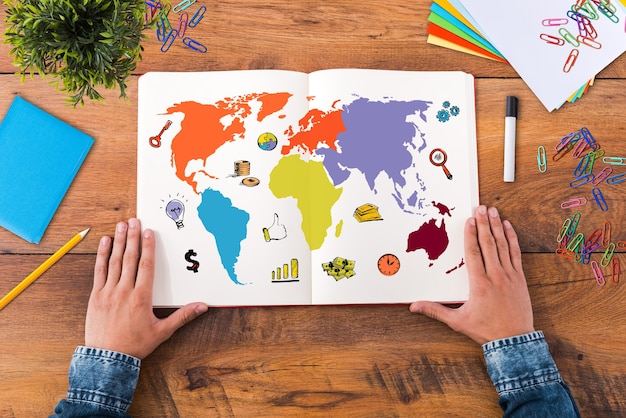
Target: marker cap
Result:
[[511, 106]]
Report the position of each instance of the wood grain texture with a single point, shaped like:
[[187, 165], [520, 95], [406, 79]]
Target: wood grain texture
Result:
[[331, 360]]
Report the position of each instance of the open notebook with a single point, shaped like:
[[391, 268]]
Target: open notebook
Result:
[[282, 188]]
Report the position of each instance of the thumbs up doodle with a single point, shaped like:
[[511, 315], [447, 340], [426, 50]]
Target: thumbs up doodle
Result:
[[276, 231]]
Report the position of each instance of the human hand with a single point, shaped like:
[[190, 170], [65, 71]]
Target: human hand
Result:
[[119, 314], [499, 304]]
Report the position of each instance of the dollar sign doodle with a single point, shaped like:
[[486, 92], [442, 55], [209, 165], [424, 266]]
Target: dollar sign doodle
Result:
[[195, 264]]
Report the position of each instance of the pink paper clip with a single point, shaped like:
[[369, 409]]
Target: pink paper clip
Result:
[[597, 273], [602, 175], [616, 270], [182, 24], [574, 202], [571, 60], [555, 22]]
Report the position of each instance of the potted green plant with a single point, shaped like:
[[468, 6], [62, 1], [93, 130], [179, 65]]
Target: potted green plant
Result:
[[82, 44]]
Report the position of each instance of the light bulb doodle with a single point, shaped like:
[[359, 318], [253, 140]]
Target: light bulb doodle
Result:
[[438, 158], [176, 211]]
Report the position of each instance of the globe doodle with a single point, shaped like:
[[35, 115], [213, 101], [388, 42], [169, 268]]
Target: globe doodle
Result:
[[267, 141]]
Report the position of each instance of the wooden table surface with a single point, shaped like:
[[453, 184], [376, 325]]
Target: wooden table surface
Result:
[[324, 360]]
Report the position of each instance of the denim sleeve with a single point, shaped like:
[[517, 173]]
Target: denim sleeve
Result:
[[527, 379], [102, 384]]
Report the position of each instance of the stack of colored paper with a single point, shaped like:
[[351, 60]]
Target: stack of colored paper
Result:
[[557, 47], [450, 26]]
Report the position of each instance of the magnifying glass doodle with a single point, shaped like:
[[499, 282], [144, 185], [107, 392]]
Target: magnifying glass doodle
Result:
[[438, 158]]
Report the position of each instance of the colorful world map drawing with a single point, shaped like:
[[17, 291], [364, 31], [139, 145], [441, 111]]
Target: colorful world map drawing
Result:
[[364, 138]]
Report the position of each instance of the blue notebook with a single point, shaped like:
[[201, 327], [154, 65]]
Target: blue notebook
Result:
[[39, 158]]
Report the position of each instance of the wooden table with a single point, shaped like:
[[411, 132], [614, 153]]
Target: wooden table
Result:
[[337, 360]]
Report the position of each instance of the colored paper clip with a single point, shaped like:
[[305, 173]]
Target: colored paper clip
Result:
[[169, 40], [621, 245], [585, 40], [564, 228], [606, 234], [616, 179], [586, 134], [555, 22], [579, 149], [182, 24], [581, 168], [568, 141], [197, 17], [541, 159], [602, 175], [566, 253], [608, 255], [579, 181], [183, 5], [616, 270], [614, 160], [569, 38], [585, 9], [609, 11], [571, 60], [585, 257], [195, 45], [551, 39], [597, 195], [573, 225], [574, 202], [594, 241], [597, 273], [576, 242]]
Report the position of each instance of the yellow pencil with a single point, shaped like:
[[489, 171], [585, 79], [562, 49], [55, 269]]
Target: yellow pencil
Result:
[[42, 268]]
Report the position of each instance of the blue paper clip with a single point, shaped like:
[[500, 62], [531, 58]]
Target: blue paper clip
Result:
[[597, 195], [597, 273], [579, 181], [614, 160], [581, 168], [183, 5], [169, 40], [197, 17], [195, 45], [616, 179], [541, 159], [589, 138]]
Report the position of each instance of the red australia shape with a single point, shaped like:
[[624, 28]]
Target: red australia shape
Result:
[[429, 237]]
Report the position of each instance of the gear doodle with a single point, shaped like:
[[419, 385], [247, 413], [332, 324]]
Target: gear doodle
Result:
[[446, 104], [454, 110], [443, 115]]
